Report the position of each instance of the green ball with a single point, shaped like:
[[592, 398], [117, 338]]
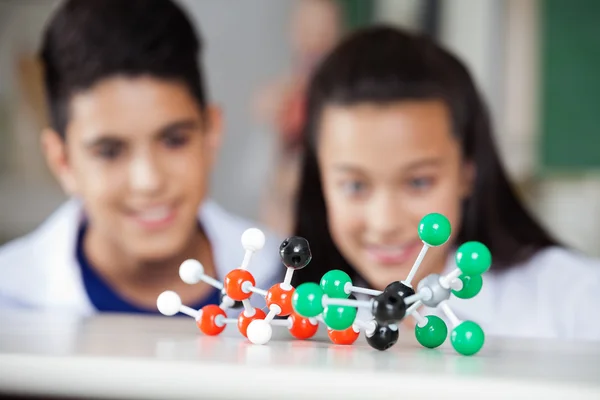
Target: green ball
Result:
[[434, 229], [471, 286], [473, 258], [339, 318], [433, 334], [334, 282], [307, 300], [467, 338]]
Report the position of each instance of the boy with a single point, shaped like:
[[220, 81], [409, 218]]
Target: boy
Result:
[[132, 142]]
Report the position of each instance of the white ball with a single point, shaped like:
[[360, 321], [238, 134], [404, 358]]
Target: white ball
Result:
[[253, 239], [191, 271], [168, 303], [259, 331]]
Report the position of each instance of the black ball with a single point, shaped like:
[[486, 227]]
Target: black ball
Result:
[[236, 305], [295, 252], [388, 307], [384, 337], [400, 289]]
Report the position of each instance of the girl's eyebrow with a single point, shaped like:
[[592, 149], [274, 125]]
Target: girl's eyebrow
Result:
[[428, 162]]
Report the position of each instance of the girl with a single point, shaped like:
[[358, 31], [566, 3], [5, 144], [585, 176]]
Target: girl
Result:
[[396, 130]]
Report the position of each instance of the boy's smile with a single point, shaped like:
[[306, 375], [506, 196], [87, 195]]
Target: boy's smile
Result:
[[154, 217]]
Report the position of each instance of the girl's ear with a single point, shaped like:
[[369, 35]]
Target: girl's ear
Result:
[[469, 174]]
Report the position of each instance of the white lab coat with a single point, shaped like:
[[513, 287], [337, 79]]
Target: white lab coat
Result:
[[40, 270], [555, 294]]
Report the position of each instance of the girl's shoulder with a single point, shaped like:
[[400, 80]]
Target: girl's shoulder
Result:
[[556, 292], [556, 265]]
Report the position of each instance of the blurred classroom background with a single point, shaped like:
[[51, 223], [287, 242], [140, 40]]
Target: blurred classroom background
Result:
[[537, 63]]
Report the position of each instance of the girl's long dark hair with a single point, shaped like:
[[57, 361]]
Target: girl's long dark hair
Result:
[[382, 65]]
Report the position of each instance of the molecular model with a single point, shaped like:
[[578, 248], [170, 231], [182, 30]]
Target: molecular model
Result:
[[237, 288], [333, 301], [330, 300]]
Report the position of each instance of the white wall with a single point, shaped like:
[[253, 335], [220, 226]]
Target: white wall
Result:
[[27, 192], [473, 30], [499, 40], [247, 46]]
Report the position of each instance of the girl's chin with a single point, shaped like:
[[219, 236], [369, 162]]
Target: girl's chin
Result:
[[380, 279]]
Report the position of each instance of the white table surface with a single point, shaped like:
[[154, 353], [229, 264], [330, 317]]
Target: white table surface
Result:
[[116, 356]]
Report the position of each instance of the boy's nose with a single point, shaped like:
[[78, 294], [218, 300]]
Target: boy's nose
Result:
[[145, 175]]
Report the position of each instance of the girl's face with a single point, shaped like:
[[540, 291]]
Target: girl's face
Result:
[[384, 168]]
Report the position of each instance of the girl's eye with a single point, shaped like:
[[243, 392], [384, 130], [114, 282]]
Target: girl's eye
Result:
[[420, 183], [353, 187]]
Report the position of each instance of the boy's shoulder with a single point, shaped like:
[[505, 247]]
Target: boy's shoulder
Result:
[[17, 272], [40, 268], [29, 262]]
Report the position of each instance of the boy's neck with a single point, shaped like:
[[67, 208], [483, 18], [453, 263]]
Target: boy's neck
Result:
[[142, 282]]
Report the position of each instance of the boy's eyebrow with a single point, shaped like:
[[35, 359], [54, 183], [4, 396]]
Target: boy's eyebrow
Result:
[[108, 137], [185, 124], [103, 139]]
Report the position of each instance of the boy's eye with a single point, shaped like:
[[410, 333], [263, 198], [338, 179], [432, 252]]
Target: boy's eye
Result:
[[110, 151], [175, 140]]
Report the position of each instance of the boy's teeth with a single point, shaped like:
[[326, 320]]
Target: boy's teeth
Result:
[[155, 214]]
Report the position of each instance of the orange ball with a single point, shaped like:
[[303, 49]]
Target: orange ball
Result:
[[281, 297], [208, 320], [244, 321], [347, 336], [233, 284], [302, 328]]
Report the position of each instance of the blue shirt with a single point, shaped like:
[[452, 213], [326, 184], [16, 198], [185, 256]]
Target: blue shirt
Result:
[[104, 298]]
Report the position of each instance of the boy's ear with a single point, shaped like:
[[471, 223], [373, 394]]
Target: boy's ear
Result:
[[214, 132], [54, 148]]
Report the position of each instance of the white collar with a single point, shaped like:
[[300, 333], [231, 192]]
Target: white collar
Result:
[[55, 241]]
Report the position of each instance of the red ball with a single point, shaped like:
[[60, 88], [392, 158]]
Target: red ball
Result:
[[244, 321], [207, 321], [345, 337], [302, 328], [233, 284], [281, 297]]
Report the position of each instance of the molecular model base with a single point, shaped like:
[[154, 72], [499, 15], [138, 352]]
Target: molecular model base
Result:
[[333, 300]]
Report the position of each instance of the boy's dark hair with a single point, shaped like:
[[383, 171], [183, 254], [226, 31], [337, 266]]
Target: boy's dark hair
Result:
[[88, 41], [383, 65]]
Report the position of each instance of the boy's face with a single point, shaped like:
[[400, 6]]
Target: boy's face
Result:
[[383, 169], [138, 153]]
